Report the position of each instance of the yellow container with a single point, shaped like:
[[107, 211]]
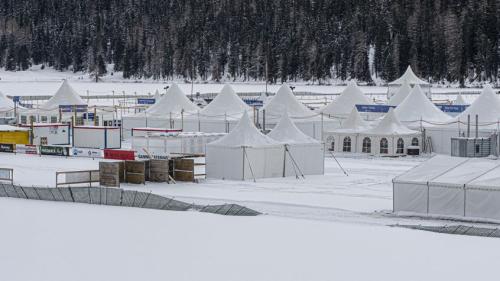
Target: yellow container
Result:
[[15, 137]]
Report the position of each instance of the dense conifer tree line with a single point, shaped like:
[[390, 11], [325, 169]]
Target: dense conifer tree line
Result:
[[313, 40]]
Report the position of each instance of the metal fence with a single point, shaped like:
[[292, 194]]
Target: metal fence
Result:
[[117, 197], [458, 230]]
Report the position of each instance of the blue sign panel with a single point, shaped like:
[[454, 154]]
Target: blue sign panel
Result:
[[88, 116], [452, 108], [377, 108], [73, 108], [16, 98], [251, 102], [146, 101]]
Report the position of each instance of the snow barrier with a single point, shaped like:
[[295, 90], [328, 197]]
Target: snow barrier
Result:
[[458, 230], [117, 197]]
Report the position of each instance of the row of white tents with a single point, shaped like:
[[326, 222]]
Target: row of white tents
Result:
[[246, 153]]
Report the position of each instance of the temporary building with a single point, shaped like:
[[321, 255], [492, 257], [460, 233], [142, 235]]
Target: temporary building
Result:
[[303, 154], [220, 115], [96, 137], [14, 135], [245, 153], [416, 107], [411, 78], [305, 119], [50, 134], [349, 98], [450, 186], [389, 137], [168, 112], [401, 94], [350, 127]]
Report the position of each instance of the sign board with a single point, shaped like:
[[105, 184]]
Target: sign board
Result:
[[119, 154], [146, 101], [452, 108], [375, 108], [7, 147], [26, 149], [54, 150], [86, 152], [16, 99], [109, 174], [253, 102], [73, 108], [152, 155]]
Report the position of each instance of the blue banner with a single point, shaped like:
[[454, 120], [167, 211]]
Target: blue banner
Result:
[[88, 116], [452, 108], [73, 108], [146, 101], [16, 98], [378, 108], [252, 102]]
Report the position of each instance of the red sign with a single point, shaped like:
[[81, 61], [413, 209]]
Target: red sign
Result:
[[118, 154]]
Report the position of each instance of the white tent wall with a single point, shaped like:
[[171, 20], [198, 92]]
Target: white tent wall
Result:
[[263, 162], [441, 136], [357, 143], [310, 159], [224, 162]]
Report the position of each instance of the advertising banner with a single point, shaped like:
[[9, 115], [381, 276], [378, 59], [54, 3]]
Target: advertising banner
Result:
[[86, 152], [119, 154], [26, 149], [54, 150]]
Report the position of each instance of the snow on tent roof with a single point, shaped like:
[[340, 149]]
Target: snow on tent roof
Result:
[[417, 106], [401, 94], [174, 101], [5, 103], [486, 106], [286, 132], [466, 172], [343, 105], [490, 180], [390, 126], [460, 100], [226, 102], [410, 77], [430, 169], [285, 101], [66, 95], [245, 134]]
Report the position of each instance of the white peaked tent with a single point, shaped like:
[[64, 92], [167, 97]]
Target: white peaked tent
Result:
[[285, 101], [157, 96], [244, 153], [348, 99], [418, 107], [401, 94], [221, 115], [486, 106], [167, 112], [389, 137], [66, 95], [6, 106], [411, 78], [173, 102], [460, 100], [303, 154], [305, 119], [351, 127]]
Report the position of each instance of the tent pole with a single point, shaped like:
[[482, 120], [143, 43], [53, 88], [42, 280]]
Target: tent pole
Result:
[[295, 163], [338, 163]]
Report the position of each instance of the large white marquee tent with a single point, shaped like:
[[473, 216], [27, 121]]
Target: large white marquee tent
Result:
[[349, 98], [401, 94], [303, 154], [244, 153], [450, 186], [6, 106], [411, 78]]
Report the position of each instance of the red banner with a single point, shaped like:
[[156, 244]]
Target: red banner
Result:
[[118, 154]]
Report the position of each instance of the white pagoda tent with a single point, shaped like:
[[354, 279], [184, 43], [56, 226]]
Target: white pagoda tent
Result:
[[460, 100], [349, 98], [417, 107], [168, 112], [220, 115], [303, 154], [350, 127], [389, 137], [401, 94], [307, 120], [486, 106], [412, 79], [49, 112], [244, 153]]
